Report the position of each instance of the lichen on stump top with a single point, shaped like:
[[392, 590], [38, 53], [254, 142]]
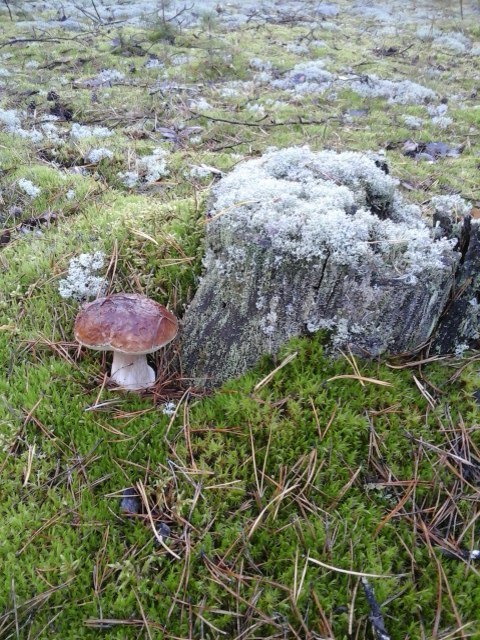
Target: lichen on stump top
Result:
[[309, 204], [299, 241]]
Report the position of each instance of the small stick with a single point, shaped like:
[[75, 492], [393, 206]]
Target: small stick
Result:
[[5, 2], [375, 616]]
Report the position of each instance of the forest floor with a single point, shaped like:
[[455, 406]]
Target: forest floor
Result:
[[272, 507]]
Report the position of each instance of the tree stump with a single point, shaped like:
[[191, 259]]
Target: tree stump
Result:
[[298, 242], [458, 327]]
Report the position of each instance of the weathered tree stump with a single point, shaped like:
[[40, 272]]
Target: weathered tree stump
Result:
[[458, 328], [298, 242]]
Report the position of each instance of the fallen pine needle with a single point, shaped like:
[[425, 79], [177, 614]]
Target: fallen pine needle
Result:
[[356, 573], [267, 379], [143, 235], [352, 376], [416, 363], [265, 509], [28, 470]]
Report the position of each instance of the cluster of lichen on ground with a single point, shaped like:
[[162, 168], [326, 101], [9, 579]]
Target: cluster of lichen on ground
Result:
[[111, 133]]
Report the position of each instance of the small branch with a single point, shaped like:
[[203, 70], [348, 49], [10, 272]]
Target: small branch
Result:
[[263, 125], [375, 616], [96, 11], [88, 15], [56, 40], [5, 2]]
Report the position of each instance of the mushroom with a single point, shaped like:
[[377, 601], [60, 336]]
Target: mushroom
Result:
[[130, 325]]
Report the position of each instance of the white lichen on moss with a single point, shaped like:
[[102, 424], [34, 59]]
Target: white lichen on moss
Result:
[[29, 188], [11, 121], [107, 76], [9, 118], [200, 104], [97, 155], [256, 109], [129, 178], [299, 48], [428, 33], [169, 408], [455, 41], [80, 131], [200, 171], [154, 63], [306, 77], [397, 92], [148, 169], [260, 65], [81, 282], [412, 122], [442, 122]]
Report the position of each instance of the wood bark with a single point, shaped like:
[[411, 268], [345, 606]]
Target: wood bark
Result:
[[239, 314]]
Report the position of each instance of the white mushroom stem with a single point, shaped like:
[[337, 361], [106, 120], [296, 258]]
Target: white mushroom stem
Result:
[[131, 371]]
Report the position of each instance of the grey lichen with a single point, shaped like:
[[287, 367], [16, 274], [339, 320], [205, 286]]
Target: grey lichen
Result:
[[396, 91], [309, 205]]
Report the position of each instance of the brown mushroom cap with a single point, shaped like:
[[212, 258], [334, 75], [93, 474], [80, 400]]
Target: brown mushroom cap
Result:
[[126, 322]]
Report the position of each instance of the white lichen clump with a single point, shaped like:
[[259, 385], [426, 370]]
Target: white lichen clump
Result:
[[96, 155], [324, 205], [298, 48], [169, 408], [154, 166], [442, 122], [80, 131], [412, 122], [460, 349], [260, 65], [306, 77], [10, 120], [29, 188], [81, 282], [256, 109], [453, 206], [148, 169], [107, 76], [200, 104], [427, 33], [454, 41], [437, 110], [129, 178], [154, 63], [200, 171], [397, 92]]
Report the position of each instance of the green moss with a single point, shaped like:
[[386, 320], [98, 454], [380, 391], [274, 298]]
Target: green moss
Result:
[[246, 447]]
